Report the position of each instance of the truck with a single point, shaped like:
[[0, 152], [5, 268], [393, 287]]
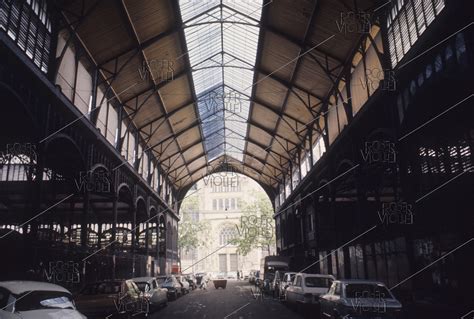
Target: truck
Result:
[[268, 266]]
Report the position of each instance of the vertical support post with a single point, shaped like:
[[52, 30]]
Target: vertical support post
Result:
[[326, 127], [94, 115], [147, 238], [348, 104], [137, 159], [118, 138], [99, 234], [298, 161], [134, 235], [114, 234], [76, 67], [84, 219]]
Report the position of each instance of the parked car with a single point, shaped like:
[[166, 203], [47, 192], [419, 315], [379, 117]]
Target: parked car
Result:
[[202, 279], [191, 280], [171, 284], [287, 278], [359, 298], [105, 298], [184, 284], [156, 295], [306, 289], [36, 300]]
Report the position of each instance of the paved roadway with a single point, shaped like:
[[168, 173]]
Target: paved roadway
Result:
[[234, 302]]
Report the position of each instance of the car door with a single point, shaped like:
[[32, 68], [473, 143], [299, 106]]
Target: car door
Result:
[[177, 285], [298, 289], [287, 282], [159, 293], [325, 302], [292, 290], [336, 300], [289, 291], [151, 286]]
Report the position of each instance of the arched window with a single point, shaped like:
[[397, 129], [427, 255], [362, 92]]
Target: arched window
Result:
[[226, 235]]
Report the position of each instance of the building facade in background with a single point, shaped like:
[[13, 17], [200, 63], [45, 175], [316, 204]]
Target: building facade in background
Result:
[[222, 197]]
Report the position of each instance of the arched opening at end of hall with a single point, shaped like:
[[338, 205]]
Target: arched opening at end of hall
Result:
[[226, 226]]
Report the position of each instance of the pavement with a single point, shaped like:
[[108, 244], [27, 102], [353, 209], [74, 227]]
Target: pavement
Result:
[[238, 301]]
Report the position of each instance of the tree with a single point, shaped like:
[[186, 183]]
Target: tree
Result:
[[257, 227], [191, 232]]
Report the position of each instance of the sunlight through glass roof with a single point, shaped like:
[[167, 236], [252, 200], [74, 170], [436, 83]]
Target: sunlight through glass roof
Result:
[[222, 39]]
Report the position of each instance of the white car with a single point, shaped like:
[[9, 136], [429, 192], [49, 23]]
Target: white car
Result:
[[184, 283], [156, 295], [306, 288], [284, 282], [355, 298], [36, 300]]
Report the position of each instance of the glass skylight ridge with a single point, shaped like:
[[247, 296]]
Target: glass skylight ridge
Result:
[[222, 39]]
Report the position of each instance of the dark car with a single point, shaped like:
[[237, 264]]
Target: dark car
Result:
[[171, 284], [192, 281], [105, 298]]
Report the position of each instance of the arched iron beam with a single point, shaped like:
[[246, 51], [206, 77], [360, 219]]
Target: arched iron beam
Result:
[[295, 71], [129, 25]]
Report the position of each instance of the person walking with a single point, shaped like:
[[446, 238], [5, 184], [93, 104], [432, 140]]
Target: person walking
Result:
[[238, 274]]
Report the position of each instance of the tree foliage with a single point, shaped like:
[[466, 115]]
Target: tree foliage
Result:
[[191, 232], [256, 227]]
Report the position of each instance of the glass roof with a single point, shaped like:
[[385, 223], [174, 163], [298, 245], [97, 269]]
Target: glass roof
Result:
[[222, 38]]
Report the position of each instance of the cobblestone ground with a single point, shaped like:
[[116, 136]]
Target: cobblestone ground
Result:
[[237, 301]]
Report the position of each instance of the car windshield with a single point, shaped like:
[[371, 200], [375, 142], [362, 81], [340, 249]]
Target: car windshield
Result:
[[101, 288], [313, 282], [161, 280], [292, 277], [367, 291], [34, 300]]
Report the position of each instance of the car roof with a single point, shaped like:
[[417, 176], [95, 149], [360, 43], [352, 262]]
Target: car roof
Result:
[[18, 287], [315, 275], [360, 281]]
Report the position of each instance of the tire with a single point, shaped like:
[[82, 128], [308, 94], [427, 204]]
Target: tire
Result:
[[175, 296]]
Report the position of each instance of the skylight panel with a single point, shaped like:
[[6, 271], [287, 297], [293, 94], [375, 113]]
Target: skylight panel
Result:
[[192, 8], [222, 40], [248, 7]]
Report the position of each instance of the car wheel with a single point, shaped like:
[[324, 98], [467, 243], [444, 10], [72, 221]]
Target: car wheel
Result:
[[176, 295]]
